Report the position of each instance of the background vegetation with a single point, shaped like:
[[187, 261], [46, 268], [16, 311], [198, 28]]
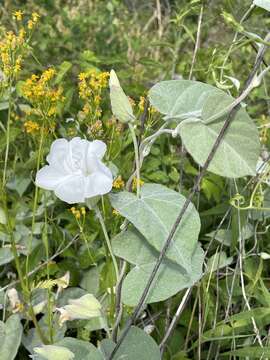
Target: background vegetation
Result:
[[144, 42]]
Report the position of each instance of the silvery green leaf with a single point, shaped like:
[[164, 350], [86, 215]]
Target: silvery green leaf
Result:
[[136, 345], [265, 4], [203, 110], [121, 106], [181, 99], [6, 255], [90, 280], [85, 307], [10, 337], [52, 352], [132, 246], [154, 214], [237, 154], [70, 293], [82, 350]]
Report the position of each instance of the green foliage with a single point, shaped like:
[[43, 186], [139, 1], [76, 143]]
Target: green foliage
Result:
[[133, 247], [219, 258], [154, 213], [10, 337], [202, 111], [147, 350]]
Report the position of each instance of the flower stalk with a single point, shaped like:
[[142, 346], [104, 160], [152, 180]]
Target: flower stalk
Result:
[[107, 239]]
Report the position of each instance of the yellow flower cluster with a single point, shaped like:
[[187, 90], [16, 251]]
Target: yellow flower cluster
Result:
[[11, 48], [13, 45], [18, 15], [119, 127], [96, 129], [152, 110], [118, 183], [41, 94], [31, 127], [134, 183], [33, 21], [78, 212], [115, 212], [91, 82], [141, 103]]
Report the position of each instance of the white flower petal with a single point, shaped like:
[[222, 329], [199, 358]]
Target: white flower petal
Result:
[[58, 152], [98, 184], [78, 152], [71, 190], [49, 177], [97, 147]]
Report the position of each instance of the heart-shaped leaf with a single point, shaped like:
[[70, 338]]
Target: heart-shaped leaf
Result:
[[202, 110], [170, 279], [154, 214]]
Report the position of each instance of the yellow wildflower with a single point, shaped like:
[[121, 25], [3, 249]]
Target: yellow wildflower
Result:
[[40, 93], [31, 126], [97, 99], [98, 112], [141, 103], [118, 182], [11, 50], [47, 75], [30, 24], [83, 211], [134, 183], [18, 15], [91, 82], [86, 109], [22, 34], [115, 212], [35, 17], [152, 110], [96, 128]]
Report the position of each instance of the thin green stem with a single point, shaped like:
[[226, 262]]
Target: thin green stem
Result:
[[250, 9], [7, 136], [35, 201], [107, 239], [137, 158]]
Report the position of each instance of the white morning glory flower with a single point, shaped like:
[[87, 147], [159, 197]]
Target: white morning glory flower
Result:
[[75, 171]]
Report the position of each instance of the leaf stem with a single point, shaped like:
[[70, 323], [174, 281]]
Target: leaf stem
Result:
[[7, 136], [137, 158], [35, 202]]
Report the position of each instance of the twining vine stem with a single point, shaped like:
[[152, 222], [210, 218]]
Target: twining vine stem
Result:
[[194, 190]]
